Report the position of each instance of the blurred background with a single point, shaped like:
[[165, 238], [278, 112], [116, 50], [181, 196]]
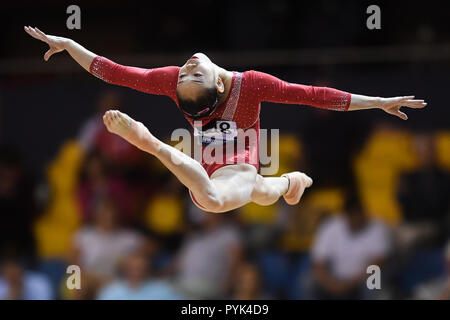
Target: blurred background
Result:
[[71, 193]]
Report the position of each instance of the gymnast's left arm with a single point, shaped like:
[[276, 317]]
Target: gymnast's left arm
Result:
[[272, 89], [389, 105]]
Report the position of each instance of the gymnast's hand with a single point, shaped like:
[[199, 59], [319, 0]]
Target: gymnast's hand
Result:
[[393, 105], [389, 105], [56, 44], [117, 122]]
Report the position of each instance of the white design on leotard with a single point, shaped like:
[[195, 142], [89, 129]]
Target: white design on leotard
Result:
[[233, 99]]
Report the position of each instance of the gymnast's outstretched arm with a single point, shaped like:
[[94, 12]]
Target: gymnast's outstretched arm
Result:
[[273, 89], [158, 81]]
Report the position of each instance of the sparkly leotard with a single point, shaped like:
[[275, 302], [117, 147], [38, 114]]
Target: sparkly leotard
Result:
[[241, 107]]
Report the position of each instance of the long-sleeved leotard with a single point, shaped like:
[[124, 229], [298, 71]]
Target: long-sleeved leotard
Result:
[[240, 109]]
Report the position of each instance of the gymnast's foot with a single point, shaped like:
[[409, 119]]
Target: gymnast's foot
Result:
[[132, 131], [118, 123], [298, 182]]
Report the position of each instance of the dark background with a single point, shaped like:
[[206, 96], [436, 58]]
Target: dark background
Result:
[[324, 43], [307, 42]]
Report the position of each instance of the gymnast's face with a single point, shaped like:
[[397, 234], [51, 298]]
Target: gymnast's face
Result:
[[196, 75]]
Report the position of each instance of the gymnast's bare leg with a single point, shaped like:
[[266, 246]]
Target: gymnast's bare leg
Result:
[[228, 188]]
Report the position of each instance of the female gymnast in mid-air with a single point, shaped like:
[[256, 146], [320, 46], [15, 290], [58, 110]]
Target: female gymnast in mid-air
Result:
[[209, 95]]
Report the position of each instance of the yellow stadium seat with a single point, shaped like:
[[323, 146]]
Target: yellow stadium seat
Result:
[[164, 214], [61, 219], [443, 149], [305, 218], [289, 153], [253, 213], [386, 155], [327, 199]]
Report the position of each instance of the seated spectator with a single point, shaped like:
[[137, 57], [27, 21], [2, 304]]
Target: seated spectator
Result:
[[247, 283], [91, 126], [208, 258], [99, 247], [438, 288], [424, 197], [16, 283], [96, 183], [137, 282], [345, 245], [94, 136]]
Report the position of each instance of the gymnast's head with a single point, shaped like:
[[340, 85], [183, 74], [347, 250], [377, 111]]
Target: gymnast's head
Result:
[[199, 86]]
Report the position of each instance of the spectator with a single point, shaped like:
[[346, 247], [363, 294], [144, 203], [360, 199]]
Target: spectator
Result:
[[97, 183], [423, 196], [94, 136], [91, 127], [138, 283], [19, 284], [98, 248], [208, 259], [438, 288], [247, 285], [344, 247]]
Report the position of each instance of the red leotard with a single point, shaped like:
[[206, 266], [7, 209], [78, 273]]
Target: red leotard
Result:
[[248, 90]]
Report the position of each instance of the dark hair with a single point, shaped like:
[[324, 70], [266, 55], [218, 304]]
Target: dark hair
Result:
[[203, 106], [353, 202]]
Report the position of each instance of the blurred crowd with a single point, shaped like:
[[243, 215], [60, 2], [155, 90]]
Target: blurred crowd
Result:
[[131, 227]]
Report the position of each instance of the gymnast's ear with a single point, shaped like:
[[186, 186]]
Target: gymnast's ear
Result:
[[219, 85]]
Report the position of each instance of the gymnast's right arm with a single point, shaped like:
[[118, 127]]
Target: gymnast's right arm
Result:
[[160, 81], [57, 44]]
